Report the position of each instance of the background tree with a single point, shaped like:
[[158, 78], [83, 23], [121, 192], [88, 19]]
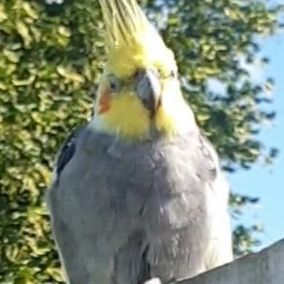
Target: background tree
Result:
[[50, 59]]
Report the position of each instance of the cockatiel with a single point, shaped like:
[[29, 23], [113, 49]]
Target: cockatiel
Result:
[[138, 192]]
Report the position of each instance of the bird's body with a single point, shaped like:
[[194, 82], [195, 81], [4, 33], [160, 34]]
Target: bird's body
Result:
[[130, 212], [138, 192]]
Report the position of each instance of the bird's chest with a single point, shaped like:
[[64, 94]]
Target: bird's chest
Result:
[[119, 189]]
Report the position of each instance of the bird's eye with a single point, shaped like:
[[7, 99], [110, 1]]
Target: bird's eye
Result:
[[114, 84]]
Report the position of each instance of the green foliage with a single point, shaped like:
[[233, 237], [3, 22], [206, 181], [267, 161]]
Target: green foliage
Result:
[[48, 69], [50, 59], [244, 237]]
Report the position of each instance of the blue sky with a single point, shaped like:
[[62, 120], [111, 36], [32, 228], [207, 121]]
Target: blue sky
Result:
[[267, 182]]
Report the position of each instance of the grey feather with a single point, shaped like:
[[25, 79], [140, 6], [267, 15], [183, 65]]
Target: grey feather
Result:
[[126, 213], [67, 151]]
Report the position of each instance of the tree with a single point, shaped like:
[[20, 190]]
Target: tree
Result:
[[50, 58]]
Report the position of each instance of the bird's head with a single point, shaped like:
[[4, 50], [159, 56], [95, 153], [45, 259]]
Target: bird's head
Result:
[[139, 89]]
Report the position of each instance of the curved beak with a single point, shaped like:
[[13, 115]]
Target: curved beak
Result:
[[148, 87]]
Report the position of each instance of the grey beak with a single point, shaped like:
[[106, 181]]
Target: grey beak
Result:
[[149, 89]]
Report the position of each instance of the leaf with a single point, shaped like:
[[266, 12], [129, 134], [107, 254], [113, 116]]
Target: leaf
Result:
[[30, 11], [23, 82], [3, 15], [24, 32], [11, 55], [64, 31], [201, 117], [55, 273], [70, 74], [44, 172], [3, 86]]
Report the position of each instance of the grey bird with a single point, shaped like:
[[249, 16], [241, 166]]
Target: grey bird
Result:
[[138, 193]]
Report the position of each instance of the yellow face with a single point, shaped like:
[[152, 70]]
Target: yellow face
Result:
[[139, 90], [120, 110], [123, 112]]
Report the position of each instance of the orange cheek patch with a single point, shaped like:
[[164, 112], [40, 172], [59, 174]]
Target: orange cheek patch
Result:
[[104, 101]]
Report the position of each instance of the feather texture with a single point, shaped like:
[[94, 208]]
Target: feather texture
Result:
[[124, 22], [124, 213], [130, 38]]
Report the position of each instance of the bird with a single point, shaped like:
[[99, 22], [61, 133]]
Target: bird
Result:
[[138, 194]]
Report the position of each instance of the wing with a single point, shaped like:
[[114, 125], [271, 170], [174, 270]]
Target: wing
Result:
[[66, 152], [72, 250], [220, 246]]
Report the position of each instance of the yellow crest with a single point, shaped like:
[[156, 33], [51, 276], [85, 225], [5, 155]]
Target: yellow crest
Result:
[[131, 40]]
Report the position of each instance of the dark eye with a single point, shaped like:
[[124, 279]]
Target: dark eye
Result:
[[114, 84]]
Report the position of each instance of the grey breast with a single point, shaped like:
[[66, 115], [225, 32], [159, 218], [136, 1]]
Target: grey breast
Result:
[[153, 184]]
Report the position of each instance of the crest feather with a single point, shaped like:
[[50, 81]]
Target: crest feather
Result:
[[124, 21], [131, 40]]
